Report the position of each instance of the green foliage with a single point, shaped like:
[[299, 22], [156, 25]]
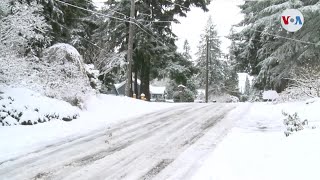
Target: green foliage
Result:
[[183, 96], [244, 98], [171, 88], [155, 53], [259, 49], [222, 72], [71, 25], [293, 123]]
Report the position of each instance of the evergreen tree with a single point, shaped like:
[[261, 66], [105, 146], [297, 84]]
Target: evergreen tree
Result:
[[154, 48], [71, 24], [186, 50], [270, 52], [217, 67], [22, 28]]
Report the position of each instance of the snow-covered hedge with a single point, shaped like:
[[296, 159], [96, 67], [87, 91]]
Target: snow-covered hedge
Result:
[[65, 77], [294, 94], [59, 74], [25, 107]]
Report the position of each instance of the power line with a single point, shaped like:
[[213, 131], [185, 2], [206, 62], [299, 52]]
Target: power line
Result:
[[88, 10], [145, 20], [112, 10], [292, 39], [79, 36], [68, 4]]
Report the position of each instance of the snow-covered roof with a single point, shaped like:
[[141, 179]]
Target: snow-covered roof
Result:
[[201, 91], [181, 86], [117, 86], [270, 95], [157, 90]]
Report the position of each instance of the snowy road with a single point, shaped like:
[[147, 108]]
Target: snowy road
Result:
[[138, 148]]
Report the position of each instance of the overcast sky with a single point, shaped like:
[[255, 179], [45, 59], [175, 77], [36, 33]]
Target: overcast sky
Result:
[[224, 13]]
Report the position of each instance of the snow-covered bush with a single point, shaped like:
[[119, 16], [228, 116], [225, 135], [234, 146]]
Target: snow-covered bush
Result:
[[19, 106], [305, 84], [184, 96], [244, 98], [292, 94], [58, 74], [62, 71], [233, 99], [293, 123]]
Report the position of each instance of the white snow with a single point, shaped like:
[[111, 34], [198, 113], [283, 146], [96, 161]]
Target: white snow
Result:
[[101, 111], [157, 90], [270, 95], [33, 105], [242, 81], [256, 148], [63, 49]]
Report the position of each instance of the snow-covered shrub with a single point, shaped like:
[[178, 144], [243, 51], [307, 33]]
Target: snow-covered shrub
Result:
[[305, 84], [184, 96], [233, 99], [62, 72], [244, 98], [293, 123], [296, 94], [255, 95], [55, 75], [25, 107]]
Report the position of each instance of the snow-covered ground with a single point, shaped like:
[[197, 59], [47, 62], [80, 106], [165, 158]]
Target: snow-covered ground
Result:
[[139, 148], [100, 112], [256, 148], [247, 143]]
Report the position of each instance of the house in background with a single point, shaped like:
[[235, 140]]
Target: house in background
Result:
[[156, 93], [270, 95]]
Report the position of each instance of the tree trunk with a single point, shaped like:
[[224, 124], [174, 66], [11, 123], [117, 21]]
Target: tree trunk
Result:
[[130, 52], [145, 78], [136, 80], [142, 77]]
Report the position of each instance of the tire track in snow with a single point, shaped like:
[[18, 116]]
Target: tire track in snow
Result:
[[134, 143]]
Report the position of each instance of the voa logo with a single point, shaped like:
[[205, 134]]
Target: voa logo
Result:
[[292, 20]]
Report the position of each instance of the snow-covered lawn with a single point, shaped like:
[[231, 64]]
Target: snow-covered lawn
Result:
[[256, 148], [101, 111]]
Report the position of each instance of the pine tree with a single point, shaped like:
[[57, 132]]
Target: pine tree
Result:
[[71, 25], [217, 67], [154, 48], [186, 50], [265, 53], [22, 28]]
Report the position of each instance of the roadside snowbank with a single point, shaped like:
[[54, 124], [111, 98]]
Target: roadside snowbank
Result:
[[101, 111], [258, 149], [22, 106]]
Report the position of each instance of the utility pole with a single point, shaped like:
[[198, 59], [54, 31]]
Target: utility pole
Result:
[[130, 51], [207, 70]]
